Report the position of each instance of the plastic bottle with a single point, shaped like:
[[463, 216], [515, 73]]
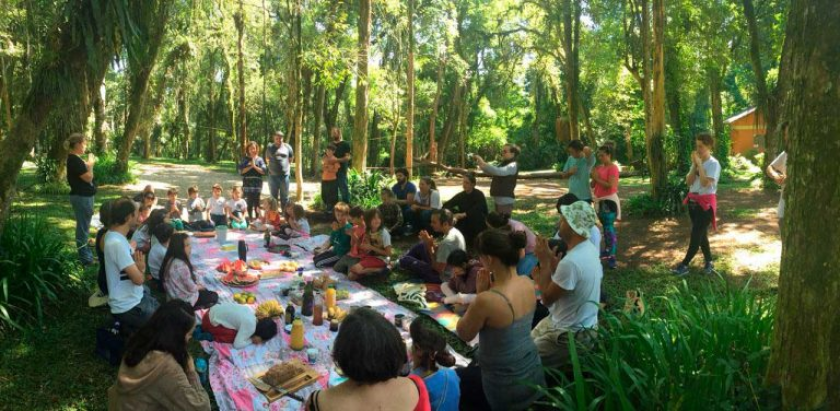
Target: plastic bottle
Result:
[[201, 369], [329, 300], [290, 313], [267, 238], [297, 334], [318, 312], [308, 300], [243, 250]]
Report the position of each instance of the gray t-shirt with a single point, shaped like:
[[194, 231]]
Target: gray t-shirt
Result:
[[580, 273], [278, 158], [195, 209], [452, 241]]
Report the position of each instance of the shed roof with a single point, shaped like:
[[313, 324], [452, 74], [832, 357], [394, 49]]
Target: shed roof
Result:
[[740, 115]]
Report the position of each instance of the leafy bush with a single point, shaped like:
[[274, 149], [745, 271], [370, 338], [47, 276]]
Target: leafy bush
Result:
[[35, 265], [105, 171], [365, 187], [707, 350], [669, 205], [46, 168]]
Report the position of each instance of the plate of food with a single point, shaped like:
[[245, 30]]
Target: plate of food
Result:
[[284, 379], [256, 264], [239, 279]]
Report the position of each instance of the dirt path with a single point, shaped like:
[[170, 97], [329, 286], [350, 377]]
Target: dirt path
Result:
[[746, 242]]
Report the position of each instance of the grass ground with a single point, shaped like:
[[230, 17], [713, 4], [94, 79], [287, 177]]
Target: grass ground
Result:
[[53, 367]]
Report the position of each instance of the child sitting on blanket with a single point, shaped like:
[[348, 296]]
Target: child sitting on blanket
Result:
[[234, 323], [296, 223], [376, 247], [173, 209], [428, 350], [338, 245], [235, 209], [270, 218], [461, 288], [357, 235], [216, 207]]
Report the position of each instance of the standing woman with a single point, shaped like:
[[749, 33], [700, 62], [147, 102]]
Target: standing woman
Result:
[[252, 168], [607, 204], [702, 201], [82, 191], [504, 175]]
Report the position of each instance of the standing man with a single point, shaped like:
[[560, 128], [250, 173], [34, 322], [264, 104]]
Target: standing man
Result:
[[279, 155], [777, 170], [578, 168], [82, 192], [342, 155]]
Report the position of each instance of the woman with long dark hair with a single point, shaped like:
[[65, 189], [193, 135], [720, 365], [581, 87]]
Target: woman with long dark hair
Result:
[[157, 371], [178, 276], [252, 168]]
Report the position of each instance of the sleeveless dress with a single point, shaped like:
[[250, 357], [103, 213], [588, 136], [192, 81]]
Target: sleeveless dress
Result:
[[509, 362], [423, 403]]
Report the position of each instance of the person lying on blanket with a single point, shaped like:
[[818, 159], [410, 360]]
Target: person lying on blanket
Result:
[[460, 289], [234, 323]]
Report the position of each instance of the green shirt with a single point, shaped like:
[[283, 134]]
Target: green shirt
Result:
[[340, 240], [579, 182]]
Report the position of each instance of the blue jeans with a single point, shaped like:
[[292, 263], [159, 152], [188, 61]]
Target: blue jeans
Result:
[[279, 185], [343, 188], [83, 211]]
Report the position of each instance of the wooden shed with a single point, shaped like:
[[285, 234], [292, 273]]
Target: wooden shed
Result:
[[747, 130]]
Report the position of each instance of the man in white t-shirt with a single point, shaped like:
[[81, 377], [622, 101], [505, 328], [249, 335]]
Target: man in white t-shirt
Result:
[[131, 303], [572, 292], [777, 170]]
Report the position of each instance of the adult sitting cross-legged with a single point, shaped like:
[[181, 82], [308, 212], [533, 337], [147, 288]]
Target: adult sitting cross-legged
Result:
[[469, 209], [427, 259], [131, 302], [572, 292]]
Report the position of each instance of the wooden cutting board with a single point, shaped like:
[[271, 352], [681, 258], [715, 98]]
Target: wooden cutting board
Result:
[[294, 384]]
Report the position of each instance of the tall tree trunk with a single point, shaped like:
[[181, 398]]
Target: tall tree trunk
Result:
[[451, 121], [65, 61], [656, 138], [184, 120], [229, 94], [155, 16], [298, 102], [331, 118], [766, 101], [100, 136], [373, 145], [433, 146], [674, 102], [628, 141], [211, 111], [805, 354], [571, 41], [5, 100], [315, 164], [722, 144], [463, 114], [409, 120], [239, 19], [360, 120]]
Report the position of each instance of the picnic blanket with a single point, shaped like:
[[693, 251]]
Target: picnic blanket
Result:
[[419, 294], [229, 367]]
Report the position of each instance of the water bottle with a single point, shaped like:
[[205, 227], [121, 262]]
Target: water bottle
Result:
[[243, 250], [201, 369]]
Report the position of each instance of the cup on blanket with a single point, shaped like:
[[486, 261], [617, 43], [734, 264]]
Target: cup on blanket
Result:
[[221, 234]]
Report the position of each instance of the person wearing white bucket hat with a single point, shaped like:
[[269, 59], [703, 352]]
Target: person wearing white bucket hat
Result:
[[572, 292]]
